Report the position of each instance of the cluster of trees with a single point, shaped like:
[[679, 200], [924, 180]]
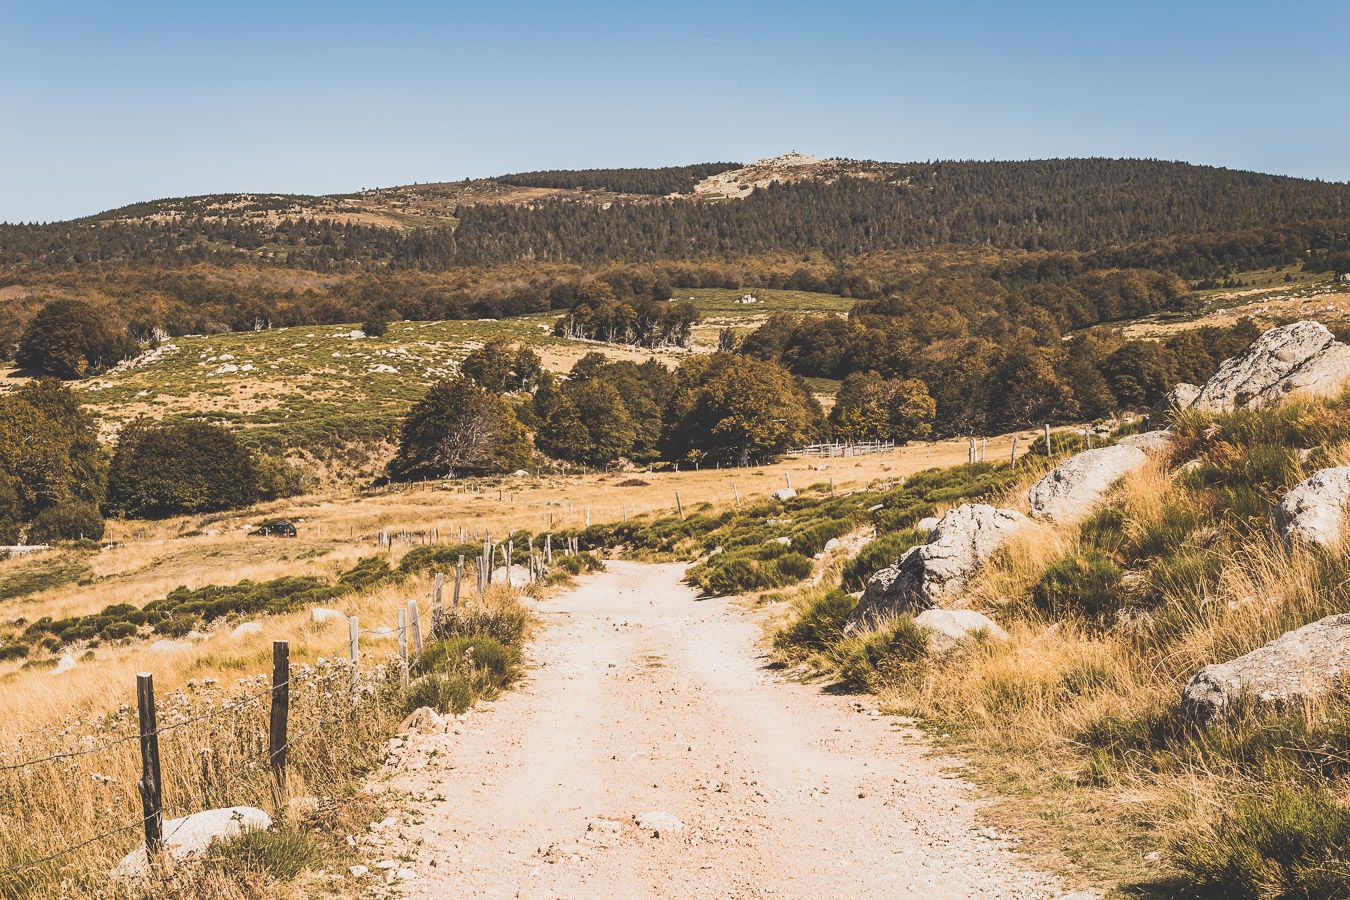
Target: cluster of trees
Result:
[[71, 339], [667, 180], [720, 408], [57, 482], [646, 323]]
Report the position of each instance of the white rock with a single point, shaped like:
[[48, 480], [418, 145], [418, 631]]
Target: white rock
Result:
[[785, 541], [246, 629], [1175, 401], [927, 523], [964, 539], [423, 720], [320, 615], [1070, 490], [192, 834], [520, 473], [947, 627], [1317, 509], [658, 822], [65, 664], [385, 865], [1148, 441], [784, 494], [1303, 358], [520, 575], [358, 871], [1299, 665], [832, 544], [165, 645]]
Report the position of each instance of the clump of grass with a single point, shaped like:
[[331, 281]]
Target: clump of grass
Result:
[[880, 655], [1287, 842], [1086, 583], [819, 626]]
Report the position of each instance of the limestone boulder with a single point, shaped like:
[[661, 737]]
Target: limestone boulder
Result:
[[1317, 509], [926, 575], [1302, 664], [1069, 491], [784, 494], [948, 627], [1302, 358], [192, 834], [1149, 441]]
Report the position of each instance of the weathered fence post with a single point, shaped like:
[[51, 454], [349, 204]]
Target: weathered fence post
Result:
[[510, 554], [151, 786], [415, 623], [1047, 439], [403, 646], [548, 545], [679, 507], [436, 589], [737, 491], [1012, 460], [459, 575], [281, 705], [354, 649]]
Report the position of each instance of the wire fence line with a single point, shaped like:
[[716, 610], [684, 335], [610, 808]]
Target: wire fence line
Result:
[[276, 750]]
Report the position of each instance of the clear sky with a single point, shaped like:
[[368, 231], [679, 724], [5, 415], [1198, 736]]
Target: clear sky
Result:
[[107, 103]]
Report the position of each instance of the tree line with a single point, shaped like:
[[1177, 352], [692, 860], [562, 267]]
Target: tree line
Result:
[[660, 181]]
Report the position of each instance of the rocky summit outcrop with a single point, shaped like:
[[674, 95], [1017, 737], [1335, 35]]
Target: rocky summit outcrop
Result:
[[1317, 509], [192, 834], [1302, 358], [948, 627], [1069, 491], [964, 539], [1302, 664]]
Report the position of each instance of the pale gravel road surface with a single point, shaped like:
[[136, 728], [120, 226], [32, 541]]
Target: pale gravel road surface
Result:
[[642, 698]]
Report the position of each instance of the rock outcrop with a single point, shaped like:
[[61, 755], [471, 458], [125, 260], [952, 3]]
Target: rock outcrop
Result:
[[1302, 664], [964, 539], [948, 627], [192, 834], [1069, 491], [1302, 358], [1317, 509]]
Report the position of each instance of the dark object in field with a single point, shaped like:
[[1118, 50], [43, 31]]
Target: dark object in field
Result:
[[274, 529], [634, 482]]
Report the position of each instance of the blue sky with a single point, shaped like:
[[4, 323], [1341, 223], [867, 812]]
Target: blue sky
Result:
[[108, 103]]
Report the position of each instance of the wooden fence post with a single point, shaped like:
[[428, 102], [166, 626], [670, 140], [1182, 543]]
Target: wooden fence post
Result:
[[403, 646], [437, 587], [354, 649], [459, 576], [1047, 439], [281, 703], [679, 507], [737, 491], [548, 545], [415, 623], [1012, 461], [151, 786], [510, 554]]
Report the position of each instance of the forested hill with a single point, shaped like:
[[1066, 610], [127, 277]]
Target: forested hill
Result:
[[599, 216]]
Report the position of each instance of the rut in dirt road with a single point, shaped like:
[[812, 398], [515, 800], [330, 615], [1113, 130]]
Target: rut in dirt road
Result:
[[651, 754]]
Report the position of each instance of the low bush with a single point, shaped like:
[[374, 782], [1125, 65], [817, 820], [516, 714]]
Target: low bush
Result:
[[881, 654], [1085, 583], [819, 626], [66, 522], [879, 553]]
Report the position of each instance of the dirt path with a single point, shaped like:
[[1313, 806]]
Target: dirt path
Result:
[[642, 700]]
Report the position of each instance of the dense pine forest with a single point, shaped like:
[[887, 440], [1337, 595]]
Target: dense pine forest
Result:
[[669, 180]]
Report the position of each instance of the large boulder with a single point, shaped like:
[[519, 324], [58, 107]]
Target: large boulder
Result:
[[948, 627], [964, 539], [1302, 664], [1302, 358], [1069, 491], [1317, 509], [192, 834]]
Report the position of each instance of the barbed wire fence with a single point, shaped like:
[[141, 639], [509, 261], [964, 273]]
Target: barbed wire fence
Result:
[[337, 672]]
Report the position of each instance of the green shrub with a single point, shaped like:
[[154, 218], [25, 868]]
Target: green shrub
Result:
[[115, 631], [819, 626], [1087, 582], [281, 852], [879, 553], [882, 654], [13, 650], [443, 693], [66, 522], [1291, 842], [72, 339]]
